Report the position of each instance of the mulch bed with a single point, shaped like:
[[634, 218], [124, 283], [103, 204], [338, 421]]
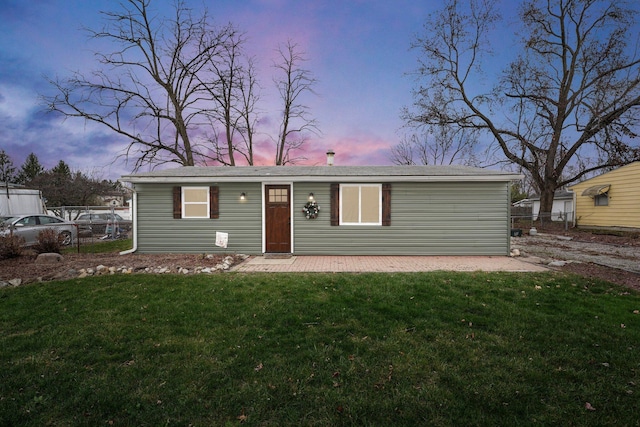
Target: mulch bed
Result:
[[613, 275], [26, 269]]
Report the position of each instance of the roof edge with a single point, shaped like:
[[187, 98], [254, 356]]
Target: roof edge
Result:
[[324, 178]]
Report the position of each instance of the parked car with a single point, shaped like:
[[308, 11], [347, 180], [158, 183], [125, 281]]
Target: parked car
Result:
[[103, 224], [29, 226]]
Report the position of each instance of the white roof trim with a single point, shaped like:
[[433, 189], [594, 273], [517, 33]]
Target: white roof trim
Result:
[[273, 174], [346, 178]]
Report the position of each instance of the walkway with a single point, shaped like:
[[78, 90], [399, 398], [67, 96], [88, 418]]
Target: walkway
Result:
[[369, 264]]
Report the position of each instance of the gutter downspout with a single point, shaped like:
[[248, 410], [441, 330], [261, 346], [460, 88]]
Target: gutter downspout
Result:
[[134, 218], [575, 209]]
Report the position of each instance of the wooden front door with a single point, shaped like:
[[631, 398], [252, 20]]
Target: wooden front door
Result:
[[278, 218]]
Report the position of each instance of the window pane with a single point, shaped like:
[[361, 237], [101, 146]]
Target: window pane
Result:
[[370, 204], [192, 195], [195, 202], [196, 211], [350, 204], [278, 195], [601, 199]]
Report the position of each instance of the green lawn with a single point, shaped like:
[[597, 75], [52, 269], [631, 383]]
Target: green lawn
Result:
[[435, 349], [100, 246]]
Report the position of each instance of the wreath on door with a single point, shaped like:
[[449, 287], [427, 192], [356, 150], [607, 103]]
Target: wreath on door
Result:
[[311, 210]]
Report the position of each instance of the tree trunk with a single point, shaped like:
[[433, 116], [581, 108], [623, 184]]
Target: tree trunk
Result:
[[546, 203]]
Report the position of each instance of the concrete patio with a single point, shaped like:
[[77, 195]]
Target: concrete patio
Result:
[[386, 264]]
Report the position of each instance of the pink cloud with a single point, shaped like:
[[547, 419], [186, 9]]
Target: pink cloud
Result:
[[351, 150]]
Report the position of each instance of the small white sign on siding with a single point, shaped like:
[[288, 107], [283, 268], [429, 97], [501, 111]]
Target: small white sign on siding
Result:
[[222, 239]]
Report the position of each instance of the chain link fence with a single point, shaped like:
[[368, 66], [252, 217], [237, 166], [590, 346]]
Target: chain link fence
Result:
[[525, 218], [96, 224]]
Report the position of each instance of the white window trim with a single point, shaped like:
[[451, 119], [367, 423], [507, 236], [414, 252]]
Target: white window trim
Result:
[[604, 196], [184, 203], [379, 186]]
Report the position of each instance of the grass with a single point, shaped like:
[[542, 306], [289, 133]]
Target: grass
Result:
[[320, 349], [100, 246]]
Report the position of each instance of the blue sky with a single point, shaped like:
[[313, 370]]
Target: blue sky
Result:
[[359, 50]]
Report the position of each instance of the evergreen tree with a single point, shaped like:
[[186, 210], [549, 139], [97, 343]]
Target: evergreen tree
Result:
[[29, 170], [7, 171], [63, 187], [61, 169]]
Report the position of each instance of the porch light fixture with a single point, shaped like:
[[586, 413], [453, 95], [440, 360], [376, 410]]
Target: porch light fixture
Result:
[[311, 197], [243, 196]]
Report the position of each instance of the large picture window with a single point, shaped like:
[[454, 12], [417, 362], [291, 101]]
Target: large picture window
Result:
[[361, 204]]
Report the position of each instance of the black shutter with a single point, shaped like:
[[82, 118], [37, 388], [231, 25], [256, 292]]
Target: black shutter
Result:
[[214, 200], [177, 202], [386, 205], [335, 204]]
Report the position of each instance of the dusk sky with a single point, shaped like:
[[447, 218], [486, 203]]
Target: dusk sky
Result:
[[359, 50]]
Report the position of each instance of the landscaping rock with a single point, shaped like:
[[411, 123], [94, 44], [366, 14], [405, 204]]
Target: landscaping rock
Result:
[[49, 258], [71, 269]]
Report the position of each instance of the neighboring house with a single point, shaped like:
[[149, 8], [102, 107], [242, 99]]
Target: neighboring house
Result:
[[115, 199], [562, 209], [611, 199], [524, 203], [377, 210], [18, 200]]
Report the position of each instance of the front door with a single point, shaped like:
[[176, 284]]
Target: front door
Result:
[[278, 218]]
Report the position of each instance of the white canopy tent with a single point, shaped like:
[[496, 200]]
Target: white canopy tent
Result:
[[17, 200]]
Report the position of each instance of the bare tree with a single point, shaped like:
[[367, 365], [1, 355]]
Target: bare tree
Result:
[[235, 92], [403, 153], [248, 115], [437, 145], [565, 108], [293, 82], [155, 90]]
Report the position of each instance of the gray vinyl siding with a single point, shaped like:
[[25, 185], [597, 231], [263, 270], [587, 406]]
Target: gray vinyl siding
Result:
[[159, 232], [427, 218], [462, 218]]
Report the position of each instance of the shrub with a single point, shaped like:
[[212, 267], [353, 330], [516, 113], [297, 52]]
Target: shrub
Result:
[[48, 241], [11, 246]]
